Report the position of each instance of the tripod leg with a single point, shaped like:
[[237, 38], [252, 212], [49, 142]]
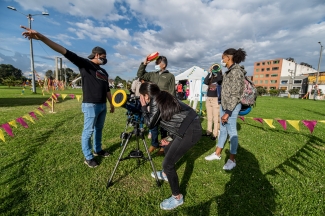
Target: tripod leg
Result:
[[150, 160], [109, 183]]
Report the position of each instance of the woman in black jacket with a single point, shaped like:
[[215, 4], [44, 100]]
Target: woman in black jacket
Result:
[[184, 130]]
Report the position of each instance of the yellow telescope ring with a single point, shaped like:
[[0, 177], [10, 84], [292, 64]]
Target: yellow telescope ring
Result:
[[116, 96]]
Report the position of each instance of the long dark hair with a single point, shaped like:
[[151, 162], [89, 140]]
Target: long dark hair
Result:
[[167, 103], [238, 55]]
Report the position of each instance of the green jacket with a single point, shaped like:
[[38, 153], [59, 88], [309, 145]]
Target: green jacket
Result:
[[165, 80]]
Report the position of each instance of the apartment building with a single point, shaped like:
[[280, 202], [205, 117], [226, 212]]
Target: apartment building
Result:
[[268, 73]]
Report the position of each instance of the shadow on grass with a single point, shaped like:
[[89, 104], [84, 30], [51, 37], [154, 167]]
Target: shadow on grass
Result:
[[16, 202], [12, 102], [248, 191], [313, 111]]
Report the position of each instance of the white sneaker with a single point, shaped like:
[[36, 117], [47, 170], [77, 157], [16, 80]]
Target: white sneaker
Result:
[[229, 165], [212, 156]]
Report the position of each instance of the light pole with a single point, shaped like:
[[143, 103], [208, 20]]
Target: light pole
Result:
[[320, 58], [30, 18]]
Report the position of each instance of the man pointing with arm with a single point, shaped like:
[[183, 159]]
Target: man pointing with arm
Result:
[[96, 92]]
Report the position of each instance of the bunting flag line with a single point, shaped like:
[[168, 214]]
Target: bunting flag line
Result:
[[78, 97], [72, 96], [294, 123], [8, 129], [40, 108], [38, 112], [242, 118], [310, 124], [63, 96], [21, 121], [32, 114], [269, 122], [323, 121], [259, 120], [13, 123], [28, 118], [2, 136], [283, 123]]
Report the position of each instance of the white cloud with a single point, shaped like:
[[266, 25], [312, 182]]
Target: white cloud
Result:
[[192, 32]]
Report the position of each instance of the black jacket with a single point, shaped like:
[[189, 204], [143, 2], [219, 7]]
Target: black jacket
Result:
[[177, 125]]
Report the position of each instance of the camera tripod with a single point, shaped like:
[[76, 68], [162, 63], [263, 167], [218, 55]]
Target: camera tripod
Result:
[[134, 154]]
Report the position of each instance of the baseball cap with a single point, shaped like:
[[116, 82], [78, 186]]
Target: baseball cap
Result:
[[96, 50]]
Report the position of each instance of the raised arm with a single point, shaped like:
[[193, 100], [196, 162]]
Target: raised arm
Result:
[[32, 34]]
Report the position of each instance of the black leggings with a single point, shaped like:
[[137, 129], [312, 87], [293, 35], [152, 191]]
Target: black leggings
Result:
[[176, 149]]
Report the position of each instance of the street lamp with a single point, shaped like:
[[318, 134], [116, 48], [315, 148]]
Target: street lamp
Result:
[[320, 58], [30, 18]]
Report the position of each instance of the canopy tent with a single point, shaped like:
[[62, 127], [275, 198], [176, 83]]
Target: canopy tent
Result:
[[195, 76]]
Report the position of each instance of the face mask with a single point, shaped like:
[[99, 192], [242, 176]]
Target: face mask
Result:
[[102, 61], [223, 63], [157, 67]]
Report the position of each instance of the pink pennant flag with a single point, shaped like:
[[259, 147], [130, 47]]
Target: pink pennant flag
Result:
[[45, 104], [32, 114], [310, 124], [40, 108], [7, 129], [242, 118], [21, 121], [259, 120], [57, 95], [283, 123], [72, 96]]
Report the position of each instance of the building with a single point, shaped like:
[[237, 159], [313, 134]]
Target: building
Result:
[[284, 73]]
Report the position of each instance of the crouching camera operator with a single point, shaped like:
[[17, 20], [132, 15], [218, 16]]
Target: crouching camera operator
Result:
[[184, 130]]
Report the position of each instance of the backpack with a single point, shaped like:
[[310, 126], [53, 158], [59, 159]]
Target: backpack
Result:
[[249, 95]]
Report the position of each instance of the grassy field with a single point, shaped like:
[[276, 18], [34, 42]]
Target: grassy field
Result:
[[279, 172]]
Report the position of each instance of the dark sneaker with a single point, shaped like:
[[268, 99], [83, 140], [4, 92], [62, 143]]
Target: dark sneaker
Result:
[[102, 153], [91, 163]]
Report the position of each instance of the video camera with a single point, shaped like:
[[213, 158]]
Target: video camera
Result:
[[129, 101]]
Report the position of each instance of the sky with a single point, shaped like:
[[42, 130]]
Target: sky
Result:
[[188, 32]]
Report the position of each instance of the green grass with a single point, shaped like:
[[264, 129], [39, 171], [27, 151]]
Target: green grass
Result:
[[279, 172]]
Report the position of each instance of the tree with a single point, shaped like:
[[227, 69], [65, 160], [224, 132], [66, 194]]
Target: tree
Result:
[[9, 71], [261, 90], [71, 75], [119, 80], [274, 92], [11, 81], [49, 73], [294, 91]]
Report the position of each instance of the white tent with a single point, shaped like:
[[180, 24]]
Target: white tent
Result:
[[195, 76]]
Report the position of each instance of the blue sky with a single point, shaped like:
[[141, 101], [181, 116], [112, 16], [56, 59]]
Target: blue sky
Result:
[[187, 32]]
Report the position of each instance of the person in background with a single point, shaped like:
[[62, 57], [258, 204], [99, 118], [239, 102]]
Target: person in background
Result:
[[184, 130], [184, 91], [96, 92], [187, 92], [180, 91], [232, 90], [166, 82], [135, 86], [213, 80]]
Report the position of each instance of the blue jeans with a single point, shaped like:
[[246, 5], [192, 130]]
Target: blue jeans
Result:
[[94, 119], [229, 128], [154, 135]]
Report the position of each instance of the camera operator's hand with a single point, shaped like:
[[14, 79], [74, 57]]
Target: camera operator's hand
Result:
[[112, 109], [164, 142], [142, 100]]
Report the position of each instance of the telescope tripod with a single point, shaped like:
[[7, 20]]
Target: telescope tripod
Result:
[[134, 154]]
